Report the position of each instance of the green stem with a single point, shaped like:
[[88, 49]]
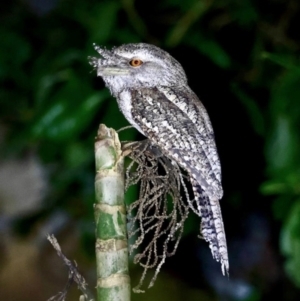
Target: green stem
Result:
[[113, 282]]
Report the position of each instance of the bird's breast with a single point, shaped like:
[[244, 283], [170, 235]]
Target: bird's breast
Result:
[[125, 104]]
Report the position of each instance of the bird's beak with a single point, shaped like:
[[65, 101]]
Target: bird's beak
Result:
[[110, 70], [106, 66]]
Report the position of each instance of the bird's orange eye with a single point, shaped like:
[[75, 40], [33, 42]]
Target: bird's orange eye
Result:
[[136, 62]]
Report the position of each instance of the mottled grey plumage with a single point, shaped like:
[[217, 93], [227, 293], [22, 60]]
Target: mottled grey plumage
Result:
[[156, 99]]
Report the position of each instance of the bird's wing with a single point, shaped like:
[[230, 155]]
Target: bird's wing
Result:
[[170, 128], [188, 102]]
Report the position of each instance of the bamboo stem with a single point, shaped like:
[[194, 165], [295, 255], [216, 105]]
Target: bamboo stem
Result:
[[113, 282]]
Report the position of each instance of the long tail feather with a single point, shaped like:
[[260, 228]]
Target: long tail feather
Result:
[[212, 228]]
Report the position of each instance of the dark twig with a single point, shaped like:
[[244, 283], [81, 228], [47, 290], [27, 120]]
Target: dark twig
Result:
[[74, 276], [157, 217]]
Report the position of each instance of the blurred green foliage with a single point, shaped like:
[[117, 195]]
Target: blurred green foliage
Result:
[[241, 58]]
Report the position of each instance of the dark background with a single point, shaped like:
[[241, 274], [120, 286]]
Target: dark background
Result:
[[242, 60]]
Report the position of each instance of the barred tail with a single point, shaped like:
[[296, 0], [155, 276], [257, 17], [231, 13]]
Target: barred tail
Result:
[[212, 228]]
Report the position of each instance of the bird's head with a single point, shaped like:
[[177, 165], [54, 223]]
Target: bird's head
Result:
[[135, 66]]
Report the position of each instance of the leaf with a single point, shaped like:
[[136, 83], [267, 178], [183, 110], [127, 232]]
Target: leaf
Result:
[[72, 109], [290, 243], [288, 62], [273, 187], [283, 140], [209, 48]]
